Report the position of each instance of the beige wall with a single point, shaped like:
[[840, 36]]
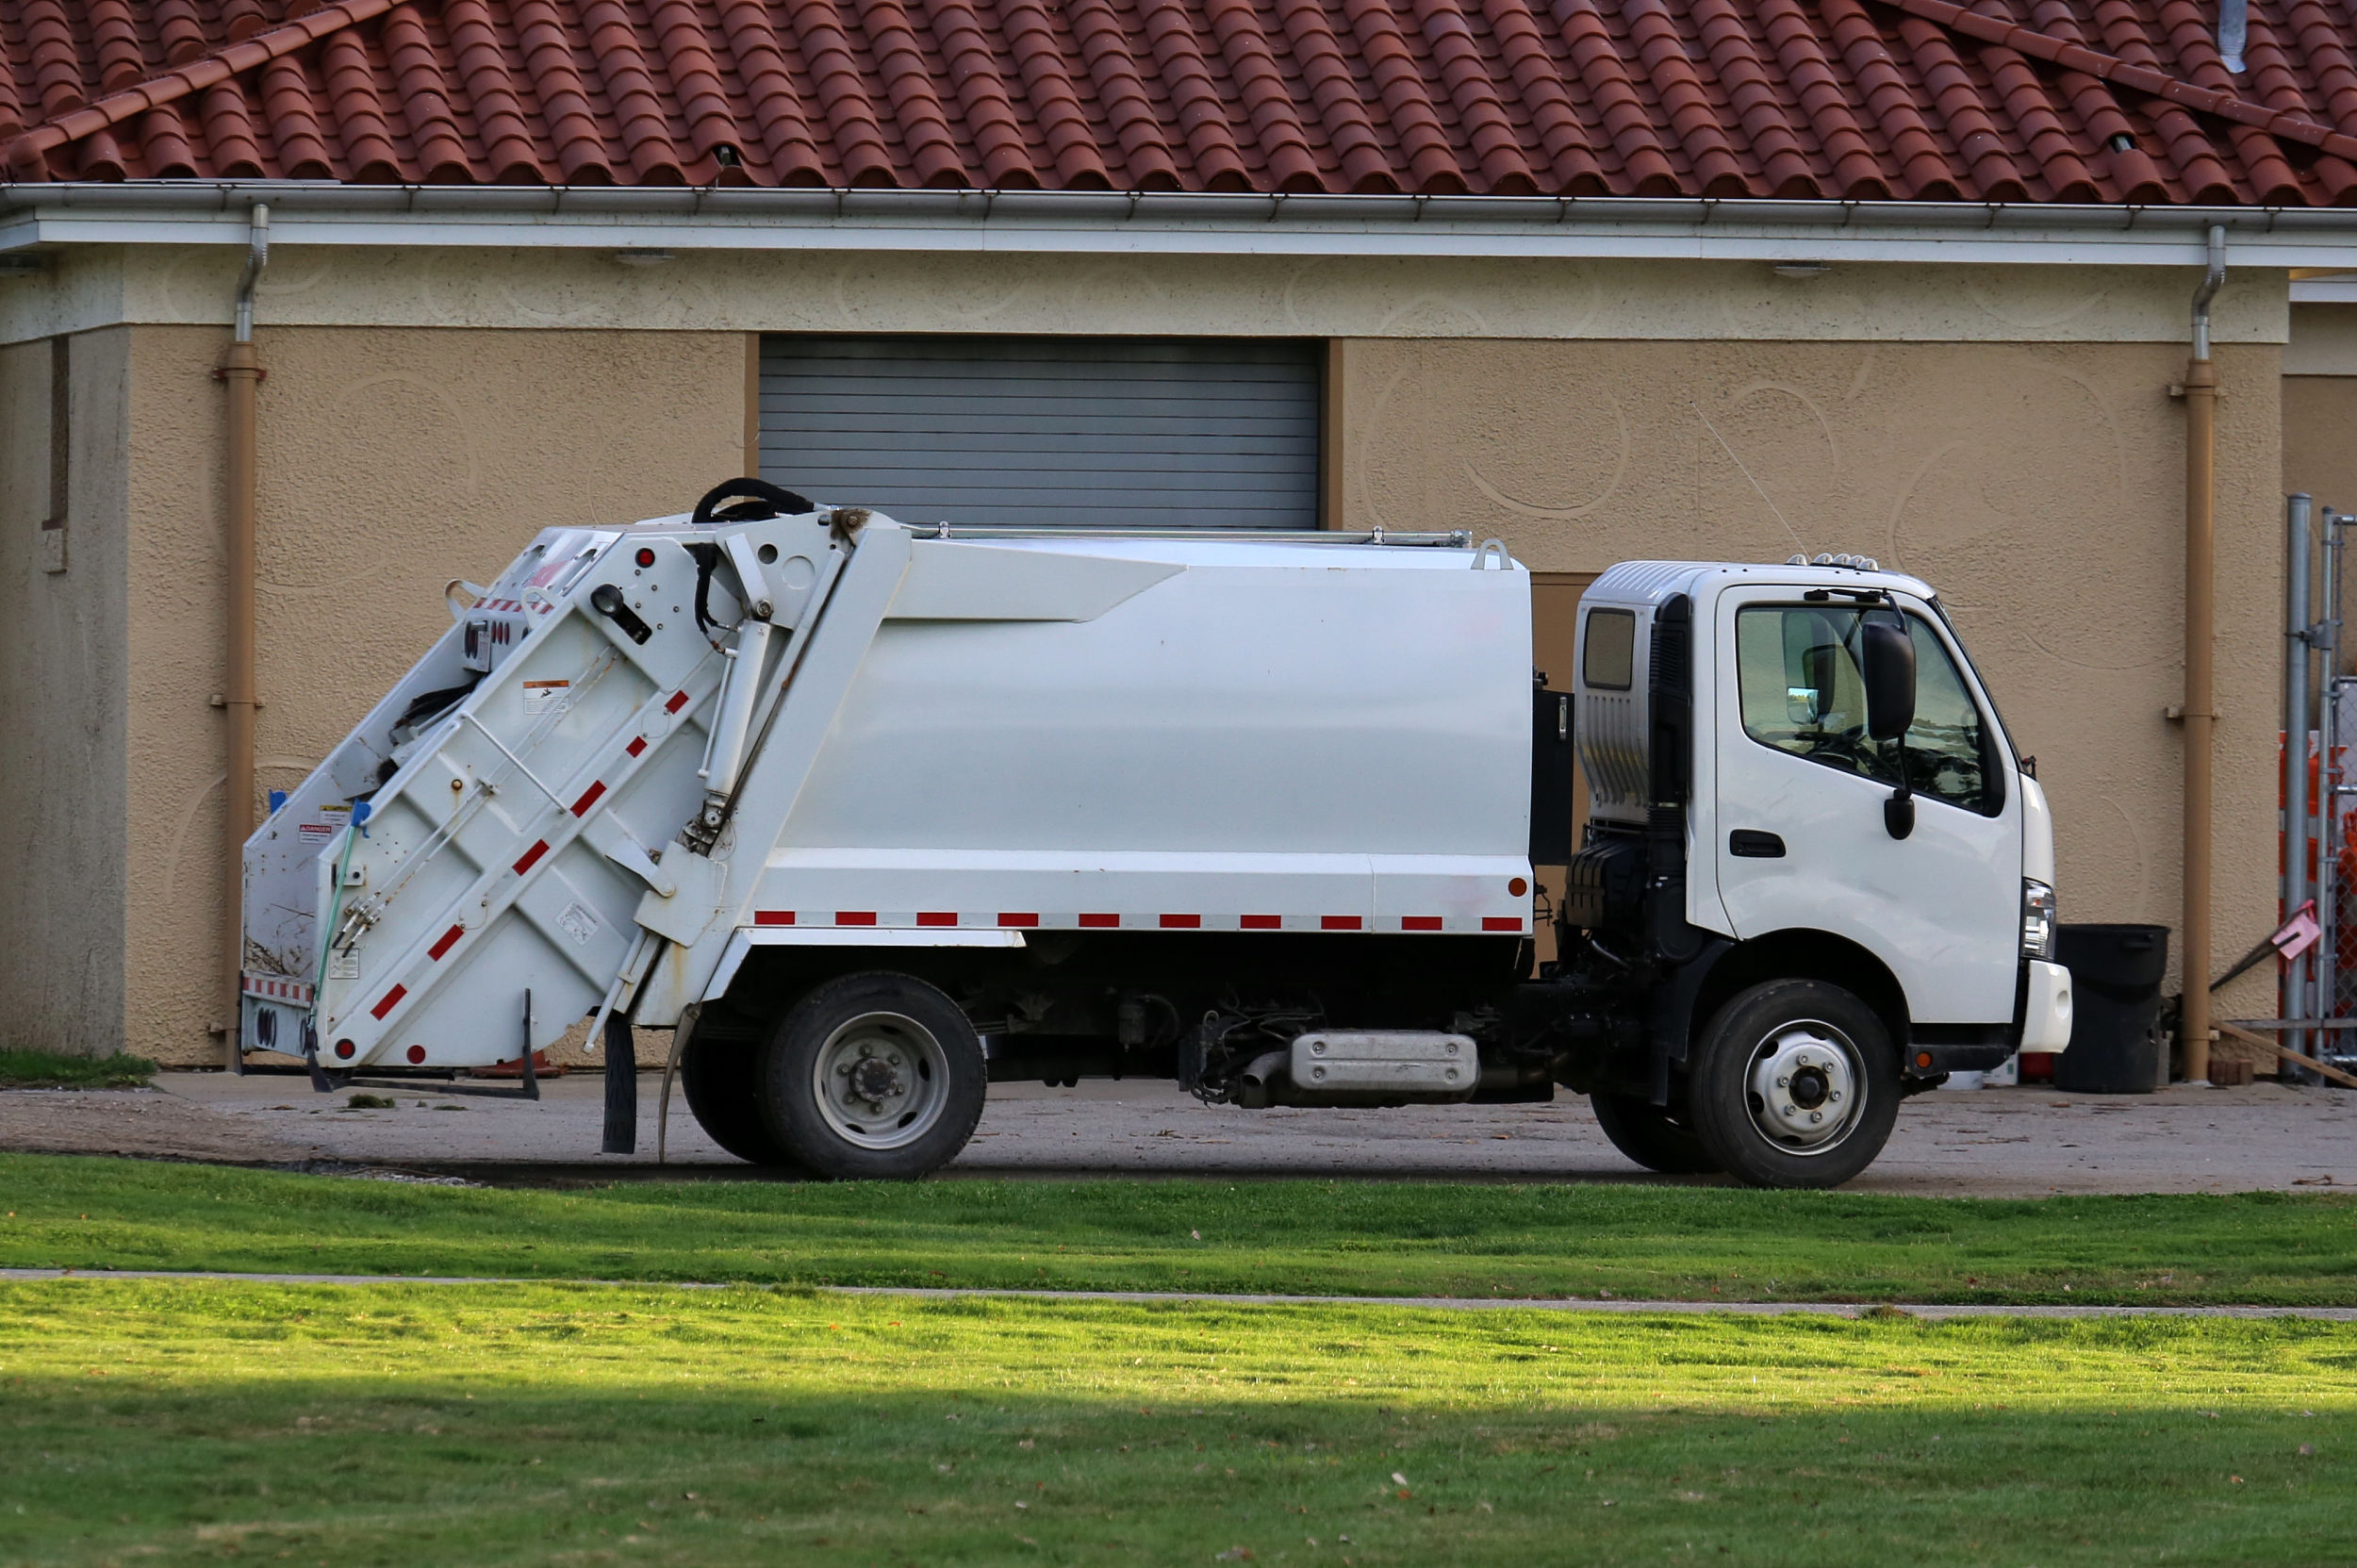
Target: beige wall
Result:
[[2039, 488], [1664, 298], [2320, 438], [2005, 432], [392, 461], [63, 660]]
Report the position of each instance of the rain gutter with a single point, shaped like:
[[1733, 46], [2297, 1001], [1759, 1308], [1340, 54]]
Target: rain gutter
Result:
[[1137, 222]]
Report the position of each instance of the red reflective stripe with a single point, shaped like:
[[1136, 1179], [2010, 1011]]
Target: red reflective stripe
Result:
[[1338, 922], [588, 797], [1263, 922], [1419, 922], [678, 701], [1099, 922], [1501, 922], [390, 997], [1182, 922], [637, 745], [937, 918], [773, 917], [449, 940], [854, 916], [1018, 919], [532, 857]]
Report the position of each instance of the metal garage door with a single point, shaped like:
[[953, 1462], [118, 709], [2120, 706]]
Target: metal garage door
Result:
[[1046, 430]]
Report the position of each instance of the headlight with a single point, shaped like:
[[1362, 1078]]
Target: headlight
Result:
[[2037, 919]]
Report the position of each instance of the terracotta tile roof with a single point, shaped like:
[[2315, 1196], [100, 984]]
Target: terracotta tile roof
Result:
[[2005, 100]]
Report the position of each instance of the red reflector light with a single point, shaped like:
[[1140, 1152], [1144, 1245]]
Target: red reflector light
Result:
[[417, 1054], [646, 557], [343, 1047]]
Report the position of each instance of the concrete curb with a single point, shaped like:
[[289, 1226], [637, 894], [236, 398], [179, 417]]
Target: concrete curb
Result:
[[1431, 1303]]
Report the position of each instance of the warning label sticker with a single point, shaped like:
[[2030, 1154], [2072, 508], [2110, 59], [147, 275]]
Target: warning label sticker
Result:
[[580, 921], [343, 963], [333, 820], [542, 698]]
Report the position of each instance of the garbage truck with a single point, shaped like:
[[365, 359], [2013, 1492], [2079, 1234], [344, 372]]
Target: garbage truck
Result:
[[869, 816]]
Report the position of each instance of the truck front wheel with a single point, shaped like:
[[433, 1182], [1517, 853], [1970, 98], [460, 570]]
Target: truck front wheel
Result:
[[1794, 1084], [873, 1075]]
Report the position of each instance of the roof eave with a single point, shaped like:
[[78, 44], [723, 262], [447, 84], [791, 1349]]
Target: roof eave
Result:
[[1136, 223]]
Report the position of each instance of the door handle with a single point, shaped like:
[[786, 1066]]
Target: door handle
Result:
[[1752, 844]]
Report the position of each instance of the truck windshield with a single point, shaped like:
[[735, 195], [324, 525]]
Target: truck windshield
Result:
[[1798, 682]]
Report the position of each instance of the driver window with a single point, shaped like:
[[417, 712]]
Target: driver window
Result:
[[1800, 690]]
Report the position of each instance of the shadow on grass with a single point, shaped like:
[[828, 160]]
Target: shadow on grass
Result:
[[450, 1471]]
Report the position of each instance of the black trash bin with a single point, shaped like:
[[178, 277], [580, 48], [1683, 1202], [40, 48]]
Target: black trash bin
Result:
[[2117, 1045]]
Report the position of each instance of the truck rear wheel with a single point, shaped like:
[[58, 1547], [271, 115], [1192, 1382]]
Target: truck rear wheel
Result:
[[873, 1075], [1651, 1135], [718, 1079], [1794, 1084]]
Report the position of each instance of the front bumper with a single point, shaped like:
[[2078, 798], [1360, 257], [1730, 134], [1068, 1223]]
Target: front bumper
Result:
[[2046, 1011]]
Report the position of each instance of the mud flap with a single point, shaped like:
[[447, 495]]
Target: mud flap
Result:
[[1673, 1013], [621, 1085]]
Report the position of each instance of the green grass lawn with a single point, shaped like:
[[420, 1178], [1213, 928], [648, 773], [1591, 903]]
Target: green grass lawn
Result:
[[1303, 1237], [407, 1424], [50, 1070]]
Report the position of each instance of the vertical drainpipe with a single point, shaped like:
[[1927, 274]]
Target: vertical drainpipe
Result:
[[2201, 711], [242, 373]]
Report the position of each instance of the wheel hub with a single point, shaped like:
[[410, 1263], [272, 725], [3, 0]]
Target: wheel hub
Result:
[[881, 1081], [1805, 1086], [874, 1078]]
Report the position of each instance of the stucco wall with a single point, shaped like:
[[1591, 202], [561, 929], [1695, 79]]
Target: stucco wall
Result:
[[2003, 431], [63, 658], [2320, 438], [392, 461], [2040, 487], [1231, 295]]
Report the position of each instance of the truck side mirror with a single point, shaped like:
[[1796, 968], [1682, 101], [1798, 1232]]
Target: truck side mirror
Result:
[[1886, 666]]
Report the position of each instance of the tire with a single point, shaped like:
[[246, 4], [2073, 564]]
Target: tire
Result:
[[717, 1079], [1651, 1135], [1794, 1084], [907, 1114]]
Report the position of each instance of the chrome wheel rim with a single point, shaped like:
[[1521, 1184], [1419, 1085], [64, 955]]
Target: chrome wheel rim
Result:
[[881, 1081], [1806, 1088]]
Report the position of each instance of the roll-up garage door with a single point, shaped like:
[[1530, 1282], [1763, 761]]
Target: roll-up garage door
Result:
[[1093, 432]]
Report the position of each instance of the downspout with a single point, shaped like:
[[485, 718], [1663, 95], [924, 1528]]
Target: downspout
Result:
[[242, 373], [2200, 714]]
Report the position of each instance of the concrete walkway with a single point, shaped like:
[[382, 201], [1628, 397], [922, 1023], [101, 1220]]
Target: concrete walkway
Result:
[[1433, 1303]]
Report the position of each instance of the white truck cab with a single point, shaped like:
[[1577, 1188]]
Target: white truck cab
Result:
[[869, 816], [1798, 783]]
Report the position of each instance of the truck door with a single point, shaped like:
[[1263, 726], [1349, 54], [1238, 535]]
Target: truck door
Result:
[[1801, 839]]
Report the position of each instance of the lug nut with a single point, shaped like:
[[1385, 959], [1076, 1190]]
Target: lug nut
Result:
[[1816, 1115]]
